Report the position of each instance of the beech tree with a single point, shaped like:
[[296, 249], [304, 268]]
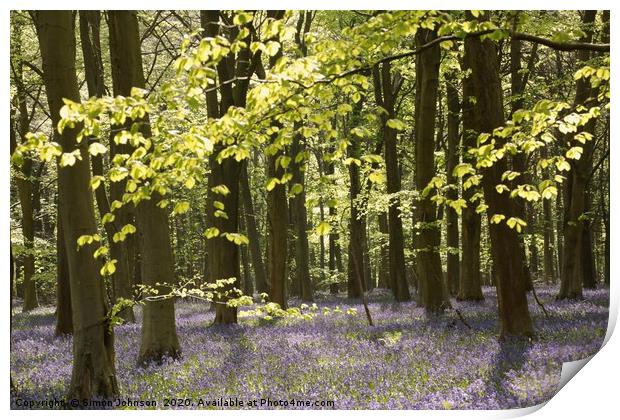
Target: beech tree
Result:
[[93, 370]]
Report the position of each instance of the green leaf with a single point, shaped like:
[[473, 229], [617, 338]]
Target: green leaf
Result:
[[181, 207], [108, 268], [574, 152], [296, 189], [271, 184], [396, 124], [497, 218], [97, 149], [67, 159], [107, 218], [463, 169], [128, 229], [457, 205], [212, 232], [237, 238], [376, 177], [323, 228], [221, 190], [516, 223]]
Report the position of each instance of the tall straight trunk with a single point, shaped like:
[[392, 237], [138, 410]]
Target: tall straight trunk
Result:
[[300, 223], [25, 187], [64, 320], [248, 284], [575, 194], [254, 236], [559, 212], [278, 223], [385, 94], [518, 81], [334, 263], [159, 337], [470, 284], [222, 254], [508, 265], [90, 23], [531, 218], [605, 179], [548, 255], [356, 281], [93, 371], [588, 261], [384, 258], [430, 276], [452, 218]]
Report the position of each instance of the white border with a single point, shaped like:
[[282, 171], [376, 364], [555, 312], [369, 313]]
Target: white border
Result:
[[593, 394]]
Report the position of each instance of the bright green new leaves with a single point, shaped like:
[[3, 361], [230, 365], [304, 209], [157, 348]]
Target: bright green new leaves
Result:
[[108, 268], [516, 223], [69, 159], [212, 232], [324, 228], [87, 240], [181, 207], [120, 236], [221, 190], [237, 238], [396, 124], [463, 169], [97, 149], [458, 205]]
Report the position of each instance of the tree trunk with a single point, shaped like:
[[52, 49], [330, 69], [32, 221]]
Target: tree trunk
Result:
[[384, 258], [356, 281], [300, 222], [487, 112], [64, 321], [248, 284], [548, 240], [159, 337], [250, 220], [385, 92], [430, 276], [93, 371], [470, 284], [278, 222], [23, 180], [90, 22], [452, 218], [575, 196]]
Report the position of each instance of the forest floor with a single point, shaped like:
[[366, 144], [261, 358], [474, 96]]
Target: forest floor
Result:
[[405, 361]]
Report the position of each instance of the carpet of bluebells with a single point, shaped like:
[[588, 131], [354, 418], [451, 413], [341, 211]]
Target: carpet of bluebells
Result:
[[406, 361]]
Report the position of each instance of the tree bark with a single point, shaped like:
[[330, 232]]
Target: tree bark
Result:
[[575, 194], [356, 281], [385, 92], [452, 218], [93, 372], [278, 223], [470, 284], [64, 321], [429, 267], [159, 337], [300, 222], [253, 235], [90, 21], [485, 85], [23, 180]]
